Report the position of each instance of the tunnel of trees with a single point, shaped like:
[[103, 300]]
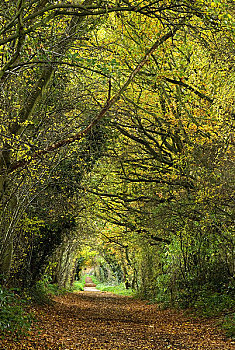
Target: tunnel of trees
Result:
[[116, 133]]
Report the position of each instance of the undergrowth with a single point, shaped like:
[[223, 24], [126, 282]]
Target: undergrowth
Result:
[[14, 319], [79, 285], [228, 324], [42, 291], [218, 305]]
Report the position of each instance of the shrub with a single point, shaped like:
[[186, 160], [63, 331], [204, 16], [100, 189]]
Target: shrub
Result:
[[213, 304], [42, 291], [79, 285], [228, 324], [39, 293], [13, 317]]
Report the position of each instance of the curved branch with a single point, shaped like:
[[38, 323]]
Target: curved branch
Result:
[[189, 87], [51, 148]]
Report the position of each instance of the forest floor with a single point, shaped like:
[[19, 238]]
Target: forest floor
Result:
[[102, 320]]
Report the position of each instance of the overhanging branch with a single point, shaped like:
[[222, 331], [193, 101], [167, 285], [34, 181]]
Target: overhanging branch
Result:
[[53, 147], [189, 87]]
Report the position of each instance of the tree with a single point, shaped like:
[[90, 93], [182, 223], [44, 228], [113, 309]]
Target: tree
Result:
[[164, 182], [158, 104]]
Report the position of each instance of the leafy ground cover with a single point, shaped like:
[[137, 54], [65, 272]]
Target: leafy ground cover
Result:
[[79, 285], [102, 320], [13, 316]]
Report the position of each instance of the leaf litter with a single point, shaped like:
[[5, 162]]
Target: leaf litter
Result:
[[97, 321]]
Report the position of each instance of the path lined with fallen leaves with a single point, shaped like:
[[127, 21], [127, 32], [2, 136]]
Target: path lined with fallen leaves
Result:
[[97, 320]]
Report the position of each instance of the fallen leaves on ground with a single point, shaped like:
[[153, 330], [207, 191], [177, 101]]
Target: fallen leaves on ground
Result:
[[97, 321]]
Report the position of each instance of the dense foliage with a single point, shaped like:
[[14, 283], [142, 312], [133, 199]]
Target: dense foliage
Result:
[[117, 146], [13, 316]]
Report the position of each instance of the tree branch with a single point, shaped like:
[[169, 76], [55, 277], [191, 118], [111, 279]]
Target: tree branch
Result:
[[156, 155], [15, 67], [189, 87], [53, 147]]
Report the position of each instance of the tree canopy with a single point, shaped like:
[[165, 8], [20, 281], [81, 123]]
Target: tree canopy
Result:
[[116, 133]]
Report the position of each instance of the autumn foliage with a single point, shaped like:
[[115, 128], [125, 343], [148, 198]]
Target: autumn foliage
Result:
[[117, 147]]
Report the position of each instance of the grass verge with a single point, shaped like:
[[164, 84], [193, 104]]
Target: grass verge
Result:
[[118, 289], [79, 285]]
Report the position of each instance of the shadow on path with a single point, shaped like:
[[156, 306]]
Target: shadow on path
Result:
[[101, 320]]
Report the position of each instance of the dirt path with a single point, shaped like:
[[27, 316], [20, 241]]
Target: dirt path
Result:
[[90, 320], [90, 286]]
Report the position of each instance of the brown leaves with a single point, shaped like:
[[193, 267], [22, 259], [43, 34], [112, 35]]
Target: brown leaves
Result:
[[105, 321]]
